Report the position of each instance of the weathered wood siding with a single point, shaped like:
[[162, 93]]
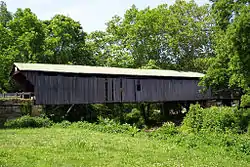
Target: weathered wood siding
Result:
[[128, 90], [153, 90], [70, 90], [82, 90]]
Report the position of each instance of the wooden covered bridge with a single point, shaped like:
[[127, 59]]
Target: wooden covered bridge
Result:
[[54, 84]]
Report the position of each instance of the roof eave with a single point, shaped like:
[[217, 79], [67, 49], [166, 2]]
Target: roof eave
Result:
[[25, 67]]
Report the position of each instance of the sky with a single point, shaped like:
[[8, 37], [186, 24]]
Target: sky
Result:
[[92, 14]]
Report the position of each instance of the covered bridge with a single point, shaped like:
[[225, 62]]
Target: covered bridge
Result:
[[75, 84]]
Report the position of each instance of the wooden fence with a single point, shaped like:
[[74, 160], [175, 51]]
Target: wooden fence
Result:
[[23, 95]]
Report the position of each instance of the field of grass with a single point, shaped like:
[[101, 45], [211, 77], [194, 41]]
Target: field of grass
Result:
[[81, 147]]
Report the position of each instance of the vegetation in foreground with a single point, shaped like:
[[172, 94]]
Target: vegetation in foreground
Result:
[[218, 136], [84, 147]]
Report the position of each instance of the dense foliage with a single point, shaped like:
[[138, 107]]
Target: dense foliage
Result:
[[197, 120], [217, 119], [230, 69], [28, 122], [171, 37]]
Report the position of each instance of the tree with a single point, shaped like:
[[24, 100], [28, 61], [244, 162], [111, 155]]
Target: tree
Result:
[[98, 43], [150, 65], [65, 42], [28, 36], [171, 36], [107, 52], [231, 67], [5, 44], [5, 15]]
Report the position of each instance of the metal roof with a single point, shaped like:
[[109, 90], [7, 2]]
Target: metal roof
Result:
[[80, 69]]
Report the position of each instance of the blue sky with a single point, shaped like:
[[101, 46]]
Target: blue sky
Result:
[[92, 14]]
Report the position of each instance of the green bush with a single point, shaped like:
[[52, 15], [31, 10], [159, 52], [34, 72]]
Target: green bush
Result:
[[111, 126], [194, 118], [155, 117], [28, 122], [26, 108], [166, 130], [216, 119], [245, 100], [134, 118]]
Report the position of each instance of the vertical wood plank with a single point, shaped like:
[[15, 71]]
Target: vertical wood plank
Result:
[[75, 90]]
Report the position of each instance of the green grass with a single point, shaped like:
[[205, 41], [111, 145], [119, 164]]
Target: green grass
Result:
[[80, 147]]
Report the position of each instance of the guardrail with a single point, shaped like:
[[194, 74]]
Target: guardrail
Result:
[[23, 95]]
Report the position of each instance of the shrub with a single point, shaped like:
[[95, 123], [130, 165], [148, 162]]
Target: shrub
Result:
[[134, 118], [26, 108], [193, 120], [245, 100], [166, 130], [111, 126], [155, 117], [28, 122], [216, 119]]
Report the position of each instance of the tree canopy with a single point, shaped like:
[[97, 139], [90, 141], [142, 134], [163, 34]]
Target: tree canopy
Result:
[[230, 69], [171, 36]]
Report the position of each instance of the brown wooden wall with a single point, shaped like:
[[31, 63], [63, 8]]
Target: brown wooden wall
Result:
[[84, 90]]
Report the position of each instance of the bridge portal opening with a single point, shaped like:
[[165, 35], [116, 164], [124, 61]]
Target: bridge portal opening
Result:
[[22, 83]]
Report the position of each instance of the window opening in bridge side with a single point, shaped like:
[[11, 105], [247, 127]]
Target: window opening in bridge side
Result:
[[138, 85]]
